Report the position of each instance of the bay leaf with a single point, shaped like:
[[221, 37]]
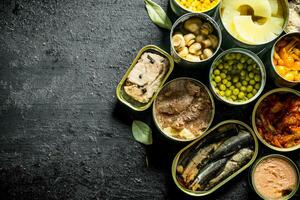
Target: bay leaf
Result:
[[158, 15], [141, 132]]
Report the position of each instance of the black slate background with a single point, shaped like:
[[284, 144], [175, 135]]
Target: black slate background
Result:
[[63, 135]]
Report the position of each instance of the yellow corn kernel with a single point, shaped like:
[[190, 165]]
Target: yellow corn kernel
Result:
[[198, 5]]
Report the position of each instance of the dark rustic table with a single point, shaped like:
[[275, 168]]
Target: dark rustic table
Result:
[[63, 135]]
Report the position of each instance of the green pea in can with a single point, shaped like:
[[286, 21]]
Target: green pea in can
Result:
[[255, 61]]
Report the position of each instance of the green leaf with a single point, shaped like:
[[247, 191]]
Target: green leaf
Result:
[[158, 15], [141, 132]]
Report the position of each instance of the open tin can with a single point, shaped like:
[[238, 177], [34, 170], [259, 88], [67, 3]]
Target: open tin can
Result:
[[178, 25], [278, 79], [179, 9], [212, 135], [274, 171], [183, 81], [288, 91], [125, 98], [229, 41], [258, 62]]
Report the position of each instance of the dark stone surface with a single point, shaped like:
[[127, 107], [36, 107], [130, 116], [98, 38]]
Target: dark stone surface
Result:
[[63, 135]]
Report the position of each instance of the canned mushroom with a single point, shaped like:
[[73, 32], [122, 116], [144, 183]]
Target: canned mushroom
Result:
[[195, 39]]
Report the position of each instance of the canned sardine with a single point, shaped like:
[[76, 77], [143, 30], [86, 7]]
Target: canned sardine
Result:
[[215, 158]]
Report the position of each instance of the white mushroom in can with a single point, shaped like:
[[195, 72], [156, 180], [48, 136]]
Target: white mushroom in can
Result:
[[206, 43], [207, 53], [193, 25], [189, 39], [195, 49], [193, 58], [206, 28], [178, 41], [200, 38], [184, 52], [214, 40]]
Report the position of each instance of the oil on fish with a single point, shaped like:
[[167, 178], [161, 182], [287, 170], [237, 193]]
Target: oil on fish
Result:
[[234, 164]]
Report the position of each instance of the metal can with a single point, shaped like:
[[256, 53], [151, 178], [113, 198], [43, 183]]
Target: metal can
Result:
[[179, 10], [223, 182], [124, 98], [274, 91], [288, 160], [230, 41], [256, 59], [159, 127], [279, 80], [217, 32]]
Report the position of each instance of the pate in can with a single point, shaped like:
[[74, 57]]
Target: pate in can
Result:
[[274, 177]]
